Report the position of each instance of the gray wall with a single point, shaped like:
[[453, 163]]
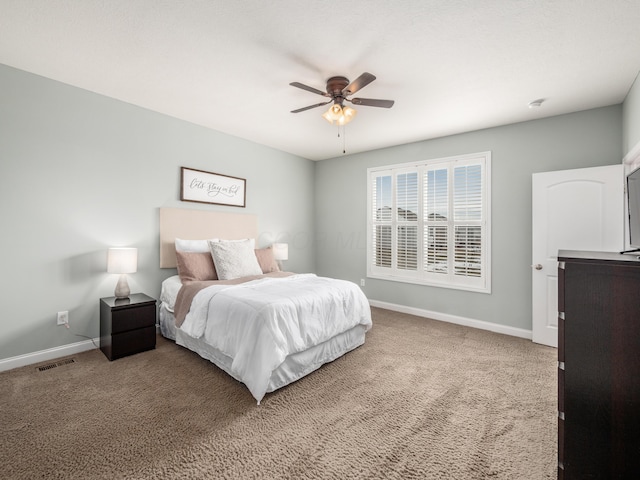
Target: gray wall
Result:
[[583, 139], [631, 117], [80, 172]]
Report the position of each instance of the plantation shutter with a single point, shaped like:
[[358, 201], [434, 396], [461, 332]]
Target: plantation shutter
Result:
[[436, 220], [407, 221], [382, 216], [429, 223], [467, 207]]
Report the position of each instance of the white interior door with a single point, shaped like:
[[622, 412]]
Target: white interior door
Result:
[[578, 209]]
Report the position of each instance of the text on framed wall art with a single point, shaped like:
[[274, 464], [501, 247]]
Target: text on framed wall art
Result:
[[207, 187]]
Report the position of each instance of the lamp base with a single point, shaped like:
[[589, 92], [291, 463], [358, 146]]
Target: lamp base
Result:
[[122, 287]]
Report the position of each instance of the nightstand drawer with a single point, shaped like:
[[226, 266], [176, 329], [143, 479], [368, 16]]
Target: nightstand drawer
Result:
[[127, 319], [135, 341]]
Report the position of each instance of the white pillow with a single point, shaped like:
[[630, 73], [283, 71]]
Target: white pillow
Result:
[[199, 246], [252, 241], [235, 259], [195, 246]]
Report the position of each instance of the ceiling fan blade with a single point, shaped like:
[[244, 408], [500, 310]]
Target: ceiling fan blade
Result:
[[309, 89], [310, 107], [360, 82], [372, 102]]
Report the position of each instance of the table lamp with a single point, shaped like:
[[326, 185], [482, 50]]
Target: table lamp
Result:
[[280, 252], [122, 261]]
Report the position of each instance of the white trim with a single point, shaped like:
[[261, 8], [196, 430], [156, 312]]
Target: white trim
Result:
[[86, 345], [459, 158], [464, 321], [49, 354], [429, 282], [420, 275], [632, 158]]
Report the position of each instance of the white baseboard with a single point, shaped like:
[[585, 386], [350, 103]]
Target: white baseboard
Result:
[[78, 347], [49, 354], [445, 317]]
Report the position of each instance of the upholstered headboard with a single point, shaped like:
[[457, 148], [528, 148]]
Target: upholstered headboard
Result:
[[200, 225]]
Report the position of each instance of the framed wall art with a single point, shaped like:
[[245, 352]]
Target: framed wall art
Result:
[[207, 187]]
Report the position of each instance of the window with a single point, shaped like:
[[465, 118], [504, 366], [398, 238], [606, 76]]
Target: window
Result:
[[429, 222]]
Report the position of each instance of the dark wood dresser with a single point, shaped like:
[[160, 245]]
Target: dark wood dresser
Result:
[[127, 326], [598, 365]]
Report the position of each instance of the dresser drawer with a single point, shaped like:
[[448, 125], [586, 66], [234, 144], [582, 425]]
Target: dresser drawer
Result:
[[561, 443], [560, 389], [561, 337]]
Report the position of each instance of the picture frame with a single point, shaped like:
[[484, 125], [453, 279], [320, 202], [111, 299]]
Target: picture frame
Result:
[[207, 187]]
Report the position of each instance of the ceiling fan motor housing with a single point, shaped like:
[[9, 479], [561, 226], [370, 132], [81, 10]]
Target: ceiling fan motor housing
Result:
[[335, 86]]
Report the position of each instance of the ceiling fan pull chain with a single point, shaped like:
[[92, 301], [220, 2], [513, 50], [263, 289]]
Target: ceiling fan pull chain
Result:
[[344, 140]]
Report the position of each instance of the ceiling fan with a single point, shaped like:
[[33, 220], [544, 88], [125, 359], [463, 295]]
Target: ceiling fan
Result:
[[338, 91]]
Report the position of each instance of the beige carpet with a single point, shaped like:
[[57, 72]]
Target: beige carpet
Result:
[[420, 400]]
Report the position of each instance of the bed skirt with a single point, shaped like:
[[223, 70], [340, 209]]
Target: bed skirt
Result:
[[294, 367]]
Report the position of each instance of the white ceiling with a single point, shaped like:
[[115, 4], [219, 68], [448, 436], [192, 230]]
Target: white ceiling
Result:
[[450, 65]]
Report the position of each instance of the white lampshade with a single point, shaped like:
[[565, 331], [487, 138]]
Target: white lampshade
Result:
[[122, 261], [281, 251]]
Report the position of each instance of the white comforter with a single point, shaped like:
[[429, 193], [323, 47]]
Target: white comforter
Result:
[[259, 323]]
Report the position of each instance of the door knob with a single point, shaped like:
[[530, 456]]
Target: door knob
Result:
[[537, 266]]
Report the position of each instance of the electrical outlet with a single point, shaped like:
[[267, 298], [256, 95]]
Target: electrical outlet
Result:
[[362, 282], [63, 318]]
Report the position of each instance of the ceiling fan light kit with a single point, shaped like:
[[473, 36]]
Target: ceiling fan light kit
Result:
[[339, 115]]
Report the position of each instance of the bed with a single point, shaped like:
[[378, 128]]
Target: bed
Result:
[[263, 326]]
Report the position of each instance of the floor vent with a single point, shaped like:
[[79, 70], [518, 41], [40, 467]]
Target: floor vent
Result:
[[49, 366]]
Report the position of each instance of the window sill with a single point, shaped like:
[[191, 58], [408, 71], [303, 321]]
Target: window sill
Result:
[[422, 281]]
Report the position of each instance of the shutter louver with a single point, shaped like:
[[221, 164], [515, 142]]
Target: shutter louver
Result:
[[436, 253], [407, 219], [382, 213], [467, 193], [436, 213], [407, 247], [382, 251], [436, 195], [468, 254], [467, 207]]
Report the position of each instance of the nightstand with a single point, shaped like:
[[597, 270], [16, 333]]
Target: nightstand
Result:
[[127, 326]]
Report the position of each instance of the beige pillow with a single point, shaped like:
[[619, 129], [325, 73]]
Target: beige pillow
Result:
[[195, 266], [266, 261], [234, 259]]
